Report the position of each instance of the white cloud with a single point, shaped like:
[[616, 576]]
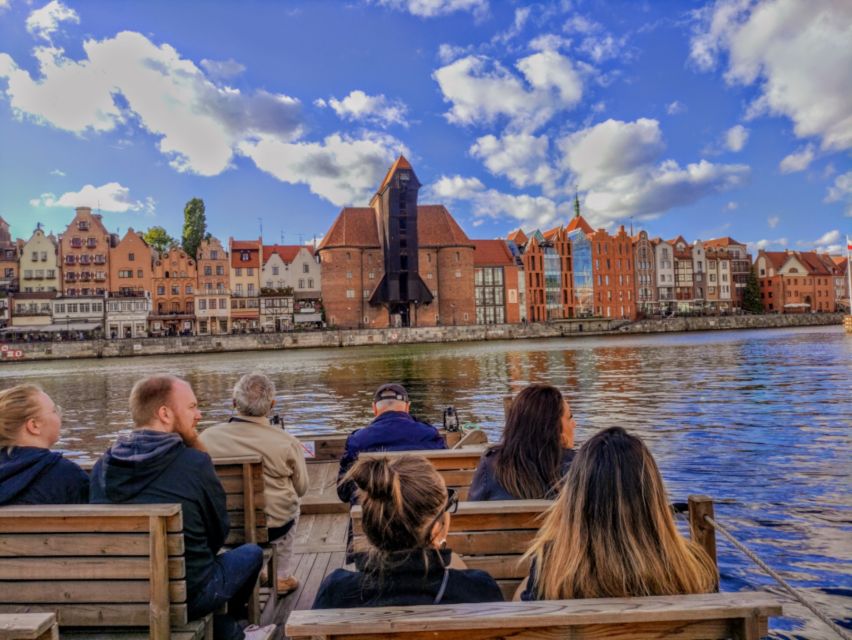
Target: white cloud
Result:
[[549, 42], [829, 237], [675, 108], [341, 169], [4, 4], [43, 23], [449, 52], [795, 50], [523, 158], [756, 245], [797, 161], [222, 69], [736, 138], [618, 165], [455, 188], [732, 206], [199, 124], [107, 197], [358, 106], [58, 172], [841, 191], [482, 90], [522, 14], [773, 221], [434, 8], [595, 41], [581, 24]]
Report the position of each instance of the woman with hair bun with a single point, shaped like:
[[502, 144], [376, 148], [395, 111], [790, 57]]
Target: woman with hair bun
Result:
[[534, 453], [30, 473], [611, 533], [406, 518]]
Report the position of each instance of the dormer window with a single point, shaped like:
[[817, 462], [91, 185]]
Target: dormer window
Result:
[[244, 256]]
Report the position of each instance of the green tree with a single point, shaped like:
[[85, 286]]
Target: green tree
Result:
[[159, 238], [194, 226], [751, 295]]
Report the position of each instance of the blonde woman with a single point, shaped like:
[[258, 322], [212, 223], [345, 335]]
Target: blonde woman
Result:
[[30, 473], [611, 532]]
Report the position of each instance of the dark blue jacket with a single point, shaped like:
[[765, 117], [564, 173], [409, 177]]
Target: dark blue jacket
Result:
[[154, 467], [409, 581], [391, 431], [485, 485], [33, 475]]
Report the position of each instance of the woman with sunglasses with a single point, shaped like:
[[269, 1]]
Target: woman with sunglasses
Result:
[[30, 473], [534, 453], [406, 518]]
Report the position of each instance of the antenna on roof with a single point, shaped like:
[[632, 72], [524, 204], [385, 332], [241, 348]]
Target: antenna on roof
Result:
[[282, 236], [301, 238], [260, 222]]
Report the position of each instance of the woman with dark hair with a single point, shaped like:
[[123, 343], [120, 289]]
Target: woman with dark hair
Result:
[[611, 532], [534, 452], [405, 514]]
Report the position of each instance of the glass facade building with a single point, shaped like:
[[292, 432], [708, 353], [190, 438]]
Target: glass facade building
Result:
[[581, 252]]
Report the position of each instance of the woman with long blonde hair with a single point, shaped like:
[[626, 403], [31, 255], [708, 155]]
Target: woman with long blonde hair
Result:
[[611, 532]]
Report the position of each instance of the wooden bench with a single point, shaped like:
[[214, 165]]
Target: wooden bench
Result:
[[28, 626], [713, 616], [98, 566], [330, 446]]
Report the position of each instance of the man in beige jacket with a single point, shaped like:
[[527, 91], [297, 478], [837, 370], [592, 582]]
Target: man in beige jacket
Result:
[[284, 472]]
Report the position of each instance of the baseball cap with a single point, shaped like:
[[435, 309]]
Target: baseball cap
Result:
[[391, 391]]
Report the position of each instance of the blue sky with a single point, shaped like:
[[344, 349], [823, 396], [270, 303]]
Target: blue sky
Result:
[[731, 117]]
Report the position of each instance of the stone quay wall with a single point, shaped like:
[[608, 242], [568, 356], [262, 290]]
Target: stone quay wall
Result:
[[365, 337]]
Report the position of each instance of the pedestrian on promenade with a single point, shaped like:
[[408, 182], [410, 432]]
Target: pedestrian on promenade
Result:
[[534, 452], [393, 429], [30, 473], [285, 475], [405, 514]]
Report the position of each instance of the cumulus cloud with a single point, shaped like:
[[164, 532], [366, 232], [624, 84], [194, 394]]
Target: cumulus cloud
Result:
[[773, 221], [449, 52], [736, 138], [482, 90], [829, 242], [795, 51], [43, 23], [756, 245], [732, 206], [549, 42], [58, 172], [594, 40], [358, 106], [341, 169], [523, 158], [675, 108], [841, 191], [435, 8], [108, 197], [798, 160], [222, 69], [618, 164], [455, 188], [199, 124]]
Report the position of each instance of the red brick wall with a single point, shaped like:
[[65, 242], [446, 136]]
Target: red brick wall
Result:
[[456, 304]]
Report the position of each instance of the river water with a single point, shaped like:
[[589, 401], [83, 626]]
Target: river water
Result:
[[759, 420]]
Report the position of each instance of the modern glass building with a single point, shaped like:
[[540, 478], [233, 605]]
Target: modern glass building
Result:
[[581, 252]]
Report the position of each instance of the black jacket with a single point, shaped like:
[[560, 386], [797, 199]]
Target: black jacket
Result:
[[408, 582], [154, 467], [33, 475], [391, 431], [485, 485]]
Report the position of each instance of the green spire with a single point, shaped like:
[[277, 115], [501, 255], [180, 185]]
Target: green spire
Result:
[[576, 205]]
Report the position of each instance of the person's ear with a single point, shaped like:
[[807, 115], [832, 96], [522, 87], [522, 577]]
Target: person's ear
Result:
[[272, 405], [164, 414], [407, 407], [375, 409], [31, 426]]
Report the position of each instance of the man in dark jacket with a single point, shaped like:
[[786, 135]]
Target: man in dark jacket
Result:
[[162, 461], [393, 429]]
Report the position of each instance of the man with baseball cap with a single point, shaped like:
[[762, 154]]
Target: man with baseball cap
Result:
[[393, 429]]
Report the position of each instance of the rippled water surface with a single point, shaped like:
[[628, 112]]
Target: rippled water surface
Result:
[[760, 420]]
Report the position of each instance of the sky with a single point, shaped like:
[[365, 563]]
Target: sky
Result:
[[701, 119]]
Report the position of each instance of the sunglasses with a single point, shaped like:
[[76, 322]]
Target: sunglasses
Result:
[[451, 506]]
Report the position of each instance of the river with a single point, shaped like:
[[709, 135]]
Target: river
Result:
[[760, 420]]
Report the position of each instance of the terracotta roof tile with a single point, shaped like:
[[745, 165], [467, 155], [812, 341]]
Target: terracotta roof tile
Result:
[[727, 241], [437, 227], [287, 252], [239, 246], [776, 258], [518, 237], [579, 222], [354, 227], [401, 163], [491, 253]]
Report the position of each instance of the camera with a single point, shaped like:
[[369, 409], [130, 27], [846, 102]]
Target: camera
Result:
[[451, 419], [276, 419]]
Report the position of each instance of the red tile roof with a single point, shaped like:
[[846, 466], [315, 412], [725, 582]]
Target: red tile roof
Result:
[[518, 237], [436, 227], [491, 253], [238, 246], [401, 163], [579, 222], [727, 241], [776, 258], [287, 252]]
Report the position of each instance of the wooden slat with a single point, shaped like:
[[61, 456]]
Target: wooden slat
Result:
[[475, 543], [222, 461], [26, 626], [115, 615], [82, 544], [76, 510], [93, 524], [107, 568], [86, 591], [519, 615], [159, 581], [500, 566], [237, 537]]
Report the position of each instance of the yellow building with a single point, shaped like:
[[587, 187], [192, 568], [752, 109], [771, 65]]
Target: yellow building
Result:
[[39, 269]]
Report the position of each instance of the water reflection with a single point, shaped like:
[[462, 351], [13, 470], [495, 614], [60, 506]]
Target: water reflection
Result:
[[758, 419]]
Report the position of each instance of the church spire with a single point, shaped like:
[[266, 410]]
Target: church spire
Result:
[[576, 205]]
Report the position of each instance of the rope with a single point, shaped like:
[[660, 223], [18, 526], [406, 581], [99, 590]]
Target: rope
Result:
[[798, 596]]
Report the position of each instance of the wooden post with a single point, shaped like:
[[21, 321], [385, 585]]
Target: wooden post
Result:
[[507, 404], [701, 531], [159, 621], [250, 524]]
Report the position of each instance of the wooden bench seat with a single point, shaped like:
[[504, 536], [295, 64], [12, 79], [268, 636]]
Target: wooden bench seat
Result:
[[713, 616], [28, 626], [330, 446], [97, 566]]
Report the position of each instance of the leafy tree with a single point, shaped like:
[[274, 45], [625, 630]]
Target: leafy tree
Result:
[[194, 226], [159, 238], [751, 295]]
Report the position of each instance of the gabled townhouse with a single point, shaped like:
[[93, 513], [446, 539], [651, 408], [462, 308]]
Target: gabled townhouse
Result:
[[213, 294], [84, 250], [647, 296], [796, 281], [740, 267], [174, 280], [9, 254], [246, 256], [39, 268], [720, 287], [684, 291]]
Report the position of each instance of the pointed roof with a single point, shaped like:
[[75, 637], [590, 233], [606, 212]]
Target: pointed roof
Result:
[[287, 252], [437, 227], [354, 227], [727, 241], [518, 237], [401, 163], [491, 253], [579, 222]]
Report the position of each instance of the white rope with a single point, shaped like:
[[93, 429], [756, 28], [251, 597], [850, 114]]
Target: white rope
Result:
[[795, 593]]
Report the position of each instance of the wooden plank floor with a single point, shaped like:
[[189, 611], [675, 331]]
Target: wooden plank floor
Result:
[[322, 490]]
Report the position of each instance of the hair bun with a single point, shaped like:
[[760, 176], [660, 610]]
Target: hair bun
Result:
[[376, 478]]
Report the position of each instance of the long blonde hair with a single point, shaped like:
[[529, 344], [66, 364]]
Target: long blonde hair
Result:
[[17, 405], [611, 532]]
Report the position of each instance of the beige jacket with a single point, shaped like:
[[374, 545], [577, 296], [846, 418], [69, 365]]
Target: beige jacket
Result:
[[284, 470]]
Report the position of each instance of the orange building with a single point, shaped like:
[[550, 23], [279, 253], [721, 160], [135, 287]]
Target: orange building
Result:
[[547, 273], [131, 266], [796, 281], [495, 283], [173, 297], [84, 251], [245, 273]]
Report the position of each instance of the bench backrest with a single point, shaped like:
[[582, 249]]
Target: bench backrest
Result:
[[95, 565], [242, 479], [456, 466], [711, 616], [330, 446]]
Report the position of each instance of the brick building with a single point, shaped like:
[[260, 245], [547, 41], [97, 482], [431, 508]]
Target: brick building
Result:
[[495, 283], [796, 281], [173, 299], [647, 296], [131, 266], [720, 286], [8, 260], [841, 282], [84, 250], [546, 271], [396, 262], [684, 292], [213, 292], [245, 284]]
